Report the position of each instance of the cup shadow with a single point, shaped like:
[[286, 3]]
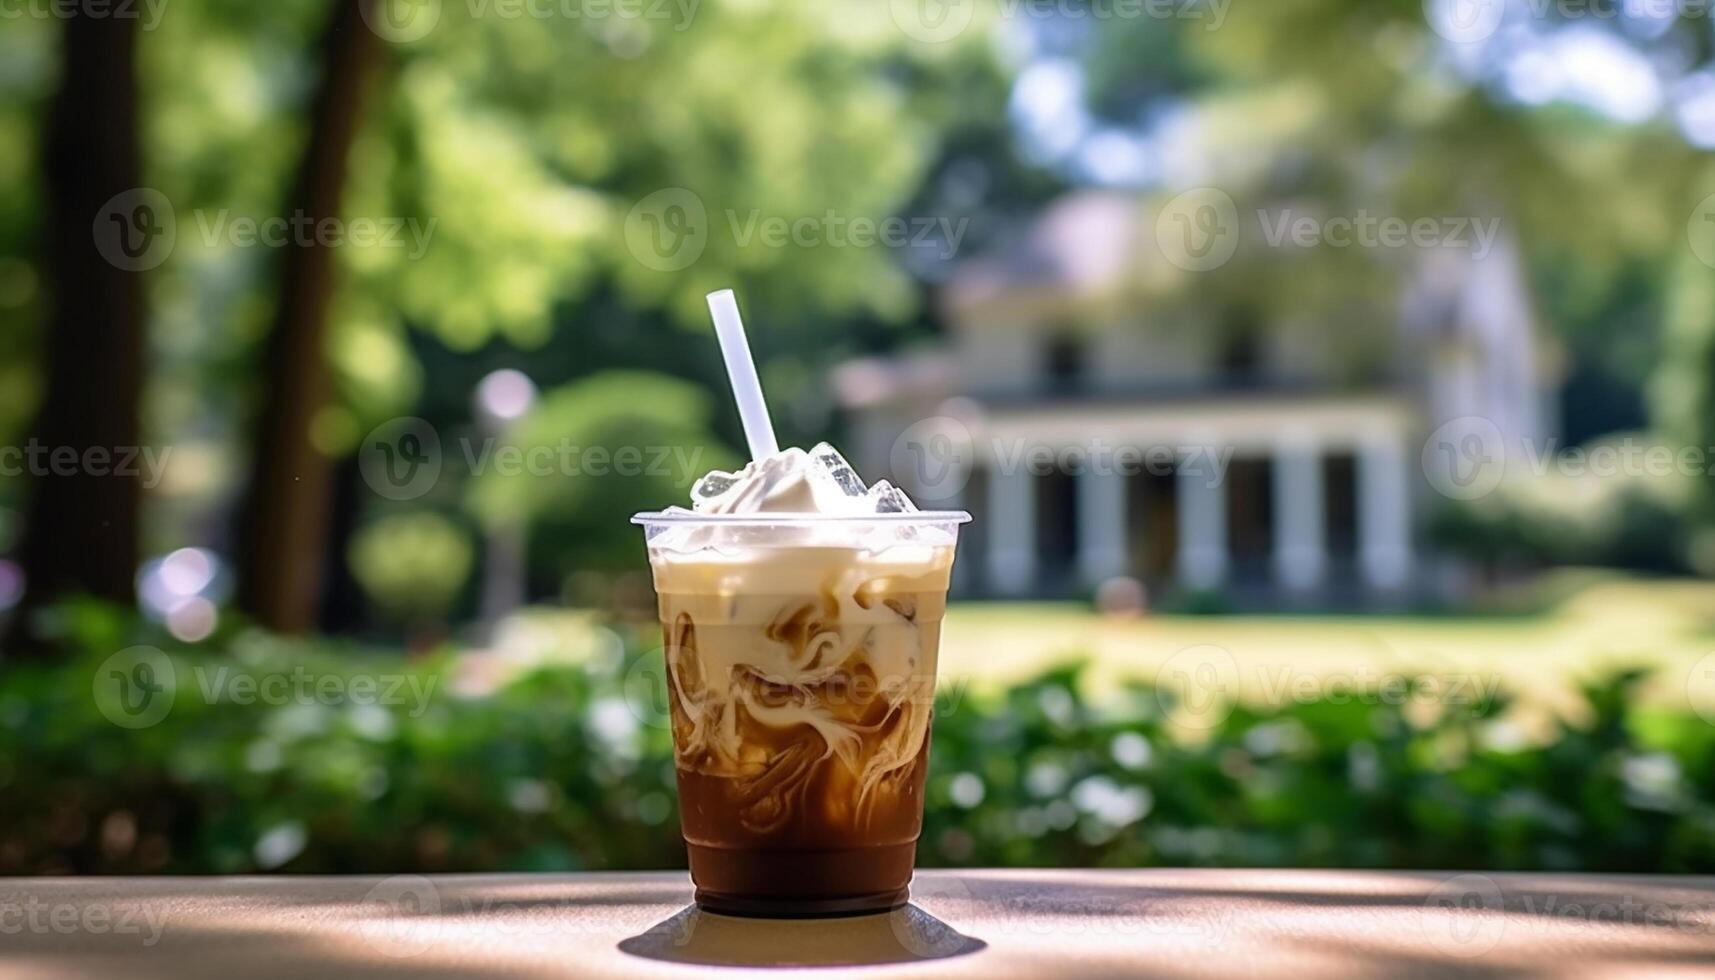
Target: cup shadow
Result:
[[905, 935]]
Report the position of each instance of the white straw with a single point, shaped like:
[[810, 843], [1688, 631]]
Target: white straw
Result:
[[741, 372]]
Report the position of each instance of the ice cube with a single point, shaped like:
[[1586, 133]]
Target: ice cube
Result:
[[889, 499], [713, 485], [830, 462]]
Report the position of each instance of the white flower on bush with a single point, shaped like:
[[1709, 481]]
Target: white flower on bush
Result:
[[1112, 804]]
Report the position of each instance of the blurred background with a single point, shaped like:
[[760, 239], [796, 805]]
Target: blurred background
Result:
[[1332, 383]]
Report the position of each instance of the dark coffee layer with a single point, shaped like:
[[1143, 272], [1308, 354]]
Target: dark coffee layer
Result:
[[802, 883]]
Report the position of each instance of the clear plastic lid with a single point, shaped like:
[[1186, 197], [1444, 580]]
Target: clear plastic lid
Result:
[[671, 517], [689, 530]]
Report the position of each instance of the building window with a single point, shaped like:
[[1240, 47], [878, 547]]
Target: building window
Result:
[[1250, 518], [1056, 531], [1340, 480], [1064, 360], [1241, 349]]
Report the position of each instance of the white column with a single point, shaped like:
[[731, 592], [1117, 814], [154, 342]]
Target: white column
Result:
[[1300, 542], [1101, 524], [1012, 530], [1384, 513], [1202, 526]]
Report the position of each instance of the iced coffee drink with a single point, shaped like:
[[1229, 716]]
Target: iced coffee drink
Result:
[[801, 613]]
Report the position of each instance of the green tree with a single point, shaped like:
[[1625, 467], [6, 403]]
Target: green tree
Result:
[[530, 149], [592, 454]]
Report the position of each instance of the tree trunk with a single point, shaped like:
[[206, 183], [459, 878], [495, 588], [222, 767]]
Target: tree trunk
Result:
[[80, 536], [283, 519]]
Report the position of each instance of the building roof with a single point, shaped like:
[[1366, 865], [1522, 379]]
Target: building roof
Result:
[[1084, 247]]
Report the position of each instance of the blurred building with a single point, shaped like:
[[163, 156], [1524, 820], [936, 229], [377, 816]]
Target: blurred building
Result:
[[1093, 439]]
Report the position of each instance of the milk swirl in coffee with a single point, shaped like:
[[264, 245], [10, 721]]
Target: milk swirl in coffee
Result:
[[801, 640]]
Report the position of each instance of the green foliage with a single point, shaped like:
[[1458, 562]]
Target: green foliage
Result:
[[532, 138], [1683, 389], [412, 566], [568, 765], [1626, 521], [590, 455]]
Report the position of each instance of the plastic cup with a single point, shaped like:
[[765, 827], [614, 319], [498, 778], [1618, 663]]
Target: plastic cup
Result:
[[800, 655]]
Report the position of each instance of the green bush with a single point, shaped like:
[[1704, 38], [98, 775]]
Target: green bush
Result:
[[1632, 521], [483, 765]]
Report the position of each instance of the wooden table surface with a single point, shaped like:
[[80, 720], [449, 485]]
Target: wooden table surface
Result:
[[1148, 923]]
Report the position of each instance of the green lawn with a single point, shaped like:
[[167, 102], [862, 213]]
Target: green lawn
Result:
[[1539, 657]]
